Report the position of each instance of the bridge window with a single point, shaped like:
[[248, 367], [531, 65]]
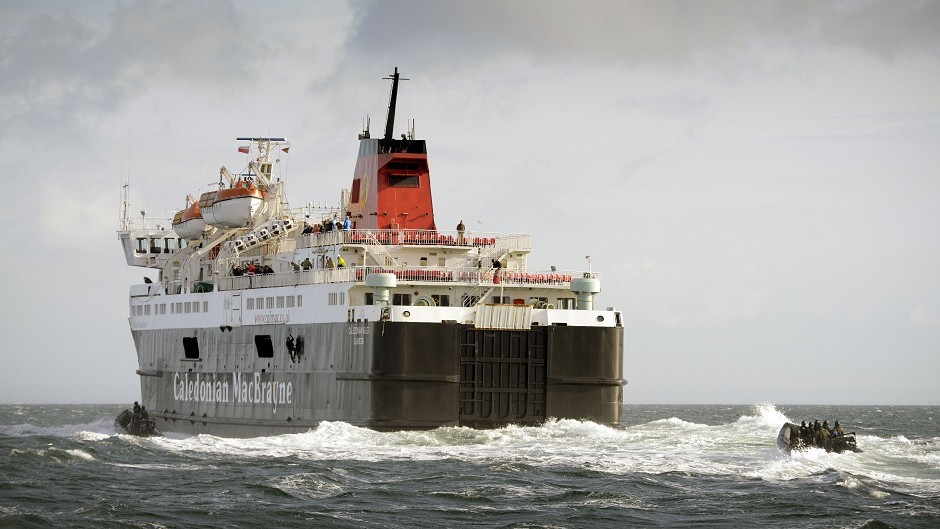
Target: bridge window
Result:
[[141, 245]]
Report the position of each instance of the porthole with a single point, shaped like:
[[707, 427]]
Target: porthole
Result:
[[600, 318], [406, 313]]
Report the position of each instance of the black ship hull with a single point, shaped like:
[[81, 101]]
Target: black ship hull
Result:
[[381, 375]]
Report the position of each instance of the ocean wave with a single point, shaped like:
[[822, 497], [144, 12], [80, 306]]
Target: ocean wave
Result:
[[101, 428]]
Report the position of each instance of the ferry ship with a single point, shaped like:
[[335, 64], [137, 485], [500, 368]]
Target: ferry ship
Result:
[[269, 319]]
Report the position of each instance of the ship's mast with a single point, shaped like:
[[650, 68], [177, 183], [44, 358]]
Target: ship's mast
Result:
[[390, 122], [125, 202]]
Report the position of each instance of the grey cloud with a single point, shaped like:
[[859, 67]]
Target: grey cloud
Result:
[[54, 66], [667, 33]]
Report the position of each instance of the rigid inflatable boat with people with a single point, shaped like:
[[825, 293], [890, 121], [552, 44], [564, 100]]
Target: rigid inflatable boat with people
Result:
[[802, 437], [137, 422]]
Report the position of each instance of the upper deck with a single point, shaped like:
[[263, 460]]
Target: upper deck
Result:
[[413, 256]]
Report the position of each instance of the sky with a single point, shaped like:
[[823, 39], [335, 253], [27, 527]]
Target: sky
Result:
[[757, 182]]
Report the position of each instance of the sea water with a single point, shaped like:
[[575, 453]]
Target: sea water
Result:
[[666, 466]]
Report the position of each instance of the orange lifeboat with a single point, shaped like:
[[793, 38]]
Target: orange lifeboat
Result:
[[188, 223], [233, 207]]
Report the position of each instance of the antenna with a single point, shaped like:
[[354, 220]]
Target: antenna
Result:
[[366, 134], [125, 203]]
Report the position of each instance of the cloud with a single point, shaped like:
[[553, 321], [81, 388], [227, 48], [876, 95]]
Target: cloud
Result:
[[668, 33], [55, 67]]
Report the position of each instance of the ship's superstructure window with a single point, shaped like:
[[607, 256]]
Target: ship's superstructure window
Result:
[[270, 302], [442, 300], [141, 245], [156, 245], [264, 346], [190, 347], [564, 303], [146, 310], [336, 298], [300, 300], [188, 307], [401, 299], [205, 306], [504, 300], [171, 244]]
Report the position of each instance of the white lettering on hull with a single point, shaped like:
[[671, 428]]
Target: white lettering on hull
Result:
[[272, 318], [244, 388]]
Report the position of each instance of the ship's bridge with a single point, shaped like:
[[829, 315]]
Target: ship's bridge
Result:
[[150, 241]]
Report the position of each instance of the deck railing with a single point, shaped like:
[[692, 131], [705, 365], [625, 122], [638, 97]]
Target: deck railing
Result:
[[429, 274], [416, 238]]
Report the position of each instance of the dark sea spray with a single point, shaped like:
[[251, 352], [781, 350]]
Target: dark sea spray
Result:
[[667, 466]]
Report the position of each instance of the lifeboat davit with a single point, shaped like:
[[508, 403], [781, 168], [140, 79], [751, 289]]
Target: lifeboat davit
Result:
[[188, 223], [233, 207]]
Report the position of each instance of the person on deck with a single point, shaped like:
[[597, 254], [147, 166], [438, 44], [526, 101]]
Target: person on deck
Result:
[[460, 230]]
